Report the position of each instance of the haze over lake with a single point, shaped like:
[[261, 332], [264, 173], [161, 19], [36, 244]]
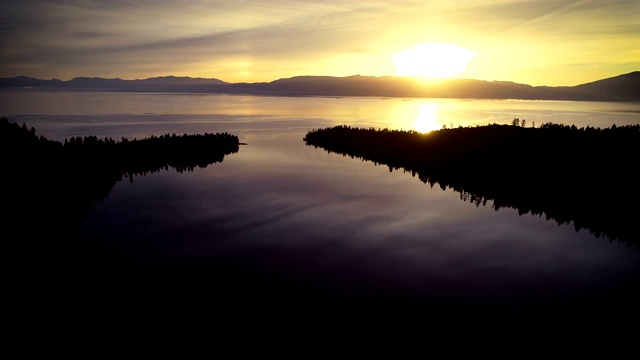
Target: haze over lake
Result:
[[327, 224]]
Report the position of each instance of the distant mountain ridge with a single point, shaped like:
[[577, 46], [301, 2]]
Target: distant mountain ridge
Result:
[[625, 87], [156, 84]]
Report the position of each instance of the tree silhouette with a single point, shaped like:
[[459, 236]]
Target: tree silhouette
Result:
[[580, 176], [50, 186]]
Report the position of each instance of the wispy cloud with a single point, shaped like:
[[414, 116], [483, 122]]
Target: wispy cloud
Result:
[[262, 39]]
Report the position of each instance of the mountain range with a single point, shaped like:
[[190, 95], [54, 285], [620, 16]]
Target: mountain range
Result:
[[625, 87]]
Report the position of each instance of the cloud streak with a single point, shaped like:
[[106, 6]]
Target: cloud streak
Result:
[[261, 41]]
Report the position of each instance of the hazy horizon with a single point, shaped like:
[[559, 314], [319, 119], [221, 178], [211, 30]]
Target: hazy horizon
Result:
[[420, 78]]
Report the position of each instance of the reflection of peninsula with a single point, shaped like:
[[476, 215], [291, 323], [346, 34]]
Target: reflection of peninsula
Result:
[[49, 186], [587, 176]]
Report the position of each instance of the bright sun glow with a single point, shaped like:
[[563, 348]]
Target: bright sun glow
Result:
[[434, 60], [427, 120]]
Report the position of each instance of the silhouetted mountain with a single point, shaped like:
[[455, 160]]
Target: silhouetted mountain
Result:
[[581, 176], [624, 87], [157, 84], [619, 88], [29, 82]]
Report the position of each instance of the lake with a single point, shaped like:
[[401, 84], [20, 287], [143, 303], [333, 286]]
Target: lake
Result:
[[282, 215]]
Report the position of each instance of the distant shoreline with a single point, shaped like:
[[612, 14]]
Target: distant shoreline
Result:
[[298, 95], [622, 88]]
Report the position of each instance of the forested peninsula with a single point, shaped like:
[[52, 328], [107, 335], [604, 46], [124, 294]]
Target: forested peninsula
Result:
[[49, 186], [586, 177]]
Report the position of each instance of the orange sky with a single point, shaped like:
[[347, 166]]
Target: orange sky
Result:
[[535, 42]]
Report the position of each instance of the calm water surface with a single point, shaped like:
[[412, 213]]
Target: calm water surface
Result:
[[329, 223]]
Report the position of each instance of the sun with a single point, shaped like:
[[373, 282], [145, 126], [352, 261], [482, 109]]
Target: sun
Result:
[[434, 60]]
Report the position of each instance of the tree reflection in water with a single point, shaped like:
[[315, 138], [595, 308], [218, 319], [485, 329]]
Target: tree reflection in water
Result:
[[584, 176], [50, 186]]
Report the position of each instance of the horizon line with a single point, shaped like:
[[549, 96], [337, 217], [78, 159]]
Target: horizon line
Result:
[[420, 77]]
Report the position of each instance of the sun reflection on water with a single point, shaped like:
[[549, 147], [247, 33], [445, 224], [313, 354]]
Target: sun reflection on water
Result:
[[427, 119]]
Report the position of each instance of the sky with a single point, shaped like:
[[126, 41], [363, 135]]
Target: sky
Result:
[[540, 42]]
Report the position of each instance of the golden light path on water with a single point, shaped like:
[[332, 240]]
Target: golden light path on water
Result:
[[427, 119], [421, 116]]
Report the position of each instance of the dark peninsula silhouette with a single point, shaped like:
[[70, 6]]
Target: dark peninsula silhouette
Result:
[[50, 186], [586, 177], [625, 87]]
